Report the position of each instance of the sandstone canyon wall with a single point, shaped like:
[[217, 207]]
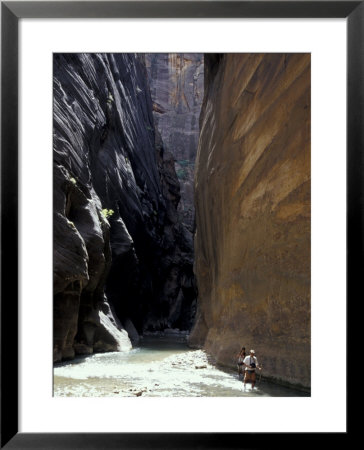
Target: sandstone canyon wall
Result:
[[122, 258], [177, 86], [252, 187]]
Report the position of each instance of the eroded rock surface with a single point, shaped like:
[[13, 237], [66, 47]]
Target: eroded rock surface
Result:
[[177, 85], [115, 210], [253, 212]]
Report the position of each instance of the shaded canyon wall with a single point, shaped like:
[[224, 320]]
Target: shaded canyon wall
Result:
[[252, 187], [122, 258], [177, 86]]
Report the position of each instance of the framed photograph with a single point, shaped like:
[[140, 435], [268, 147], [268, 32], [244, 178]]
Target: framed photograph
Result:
[[176, 271]]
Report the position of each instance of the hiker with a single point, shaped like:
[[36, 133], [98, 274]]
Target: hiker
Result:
[[241, 356], [251, 364]]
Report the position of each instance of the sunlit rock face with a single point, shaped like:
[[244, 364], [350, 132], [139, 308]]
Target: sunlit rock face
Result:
[[177, 85], [116, 226], [253, 212]]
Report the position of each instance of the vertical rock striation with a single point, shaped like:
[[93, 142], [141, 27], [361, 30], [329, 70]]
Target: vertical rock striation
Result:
[[177, 84], [115, 210], [252, 187]]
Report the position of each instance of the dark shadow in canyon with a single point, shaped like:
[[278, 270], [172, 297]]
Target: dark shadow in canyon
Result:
[[152, 285], [123, 225]]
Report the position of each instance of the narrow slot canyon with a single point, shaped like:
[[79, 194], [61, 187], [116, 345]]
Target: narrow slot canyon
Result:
[[181, 223]]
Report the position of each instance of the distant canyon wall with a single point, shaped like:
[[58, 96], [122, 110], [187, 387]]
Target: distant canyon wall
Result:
[[252, 187], [122, 258], [177, 86]]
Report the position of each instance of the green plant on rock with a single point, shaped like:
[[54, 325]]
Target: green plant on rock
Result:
[[107, 213], [181, 173]]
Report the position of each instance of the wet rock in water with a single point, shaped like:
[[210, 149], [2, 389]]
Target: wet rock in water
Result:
[[139, 392], [252, 189], [131, 330], [82, 349], [172, 331]]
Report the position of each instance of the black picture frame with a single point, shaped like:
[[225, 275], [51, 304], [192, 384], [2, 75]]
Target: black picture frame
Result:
[[11, 12]]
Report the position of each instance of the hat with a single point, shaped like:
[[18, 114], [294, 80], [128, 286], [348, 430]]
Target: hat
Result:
[[252, 351]]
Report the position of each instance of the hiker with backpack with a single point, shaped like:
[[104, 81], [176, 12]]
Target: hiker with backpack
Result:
[[251, 364]]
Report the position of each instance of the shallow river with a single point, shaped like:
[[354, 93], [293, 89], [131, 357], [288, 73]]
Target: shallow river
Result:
[[158, 368]]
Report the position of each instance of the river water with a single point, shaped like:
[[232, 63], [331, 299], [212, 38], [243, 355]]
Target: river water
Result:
[[157, 368]]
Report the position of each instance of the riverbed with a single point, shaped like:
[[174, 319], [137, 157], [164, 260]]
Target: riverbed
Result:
[[156, 368]]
